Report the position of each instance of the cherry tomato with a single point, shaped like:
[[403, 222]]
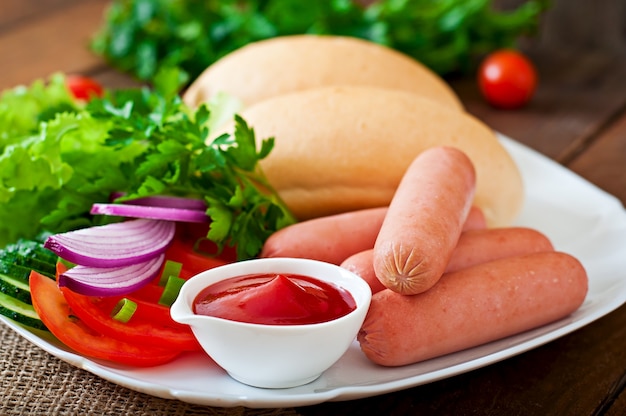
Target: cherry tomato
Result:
[[507, 79], [56, 314], [83, 88]]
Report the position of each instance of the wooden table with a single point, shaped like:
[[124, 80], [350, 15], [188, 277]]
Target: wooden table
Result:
[[578, 118]]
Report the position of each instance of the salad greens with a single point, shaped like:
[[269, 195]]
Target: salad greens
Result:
[[57, 158], [141, 36]]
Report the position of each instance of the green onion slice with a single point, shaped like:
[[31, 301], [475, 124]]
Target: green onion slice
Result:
[[171, 290], [124, 310], [170, 268]]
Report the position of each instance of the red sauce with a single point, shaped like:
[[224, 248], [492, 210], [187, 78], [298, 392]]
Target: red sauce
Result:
[[274, 299]]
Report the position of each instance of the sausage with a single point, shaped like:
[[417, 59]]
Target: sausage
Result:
[[475, 219], [336, 237], [362, 264], [424, 220], [473, 306], [474, 247], [331, 239], [479, 246]]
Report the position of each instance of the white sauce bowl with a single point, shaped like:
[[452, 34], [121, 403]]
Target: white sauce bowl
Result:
[[274, 356]]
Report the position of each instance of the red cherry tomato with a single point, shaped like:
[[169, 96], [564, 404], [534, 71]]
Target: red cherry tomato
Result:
[[83, 88], [507, 79]]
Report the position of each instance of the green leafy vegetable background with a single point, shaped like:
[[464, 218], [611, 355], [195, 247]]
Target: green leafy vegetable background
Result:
[[140, 36]]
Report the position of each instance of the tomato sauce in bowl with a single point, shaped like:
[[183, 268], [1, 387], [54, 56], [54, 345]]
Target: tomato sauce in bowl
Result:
[[274, 299]]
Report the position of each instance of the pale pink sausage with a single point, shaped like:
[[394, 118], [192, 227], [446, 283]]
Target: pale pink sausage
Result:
[[331, 239], [336, 237], [474, 247], [473, 306], [362, 264], [424, 220], [475, 219], [479, 246]]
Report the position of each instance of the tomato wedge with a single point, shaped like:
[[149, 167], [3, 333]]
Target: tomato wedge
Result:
[[56, 314]]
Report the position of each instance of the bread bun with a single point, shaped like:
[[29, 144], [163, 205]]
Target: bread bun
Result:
[[280, 65], [345, 148]]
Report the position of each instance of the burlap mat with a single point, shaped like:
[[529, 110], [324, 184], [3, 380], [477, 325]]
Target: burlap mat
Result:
[[37, 383]]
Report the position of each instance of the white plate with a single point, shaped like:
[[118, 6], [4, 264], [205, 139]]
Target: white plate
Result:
[[579, 218]]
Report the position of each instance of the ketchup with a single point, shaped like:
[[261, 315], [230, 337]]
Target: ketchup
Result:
[[274, 299]]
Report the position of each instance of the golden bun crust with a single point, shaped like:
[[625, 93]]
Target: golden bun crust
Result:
[[280, 65], [345, 148]]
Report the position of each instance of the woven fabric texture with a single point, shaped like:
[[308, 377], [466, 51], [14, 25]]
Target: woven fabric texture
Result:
[[35, 382]]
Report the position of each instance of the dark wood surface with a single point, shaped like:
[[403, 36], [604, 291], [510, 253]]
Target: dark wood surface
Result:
[[578, 118]]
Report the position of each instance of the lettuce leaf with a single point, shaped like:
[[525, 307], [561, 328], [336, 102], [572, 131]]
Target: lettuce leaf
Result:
[[23, 108]]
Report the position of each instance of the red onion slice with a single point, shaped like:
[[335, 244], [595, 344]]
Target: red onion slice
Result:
[[113, 245], [110, 281], [164, 201], [148, 212]]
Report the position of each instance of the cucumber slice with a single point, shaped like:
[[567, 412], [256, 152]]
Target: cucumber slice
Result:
[[20, 312], [15, 288], [18, 272], [33, 263]]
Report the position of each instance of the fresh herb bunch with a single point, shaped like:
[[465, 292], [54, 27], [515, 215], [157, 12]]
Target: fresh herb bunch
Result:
[[140, 36], [138, 141]]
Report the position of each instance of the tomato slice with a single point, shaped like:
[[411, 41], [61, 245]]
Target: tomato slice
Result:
[[194, 251], [150, 337], [56, 314], [140, 329], [150, 325]]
